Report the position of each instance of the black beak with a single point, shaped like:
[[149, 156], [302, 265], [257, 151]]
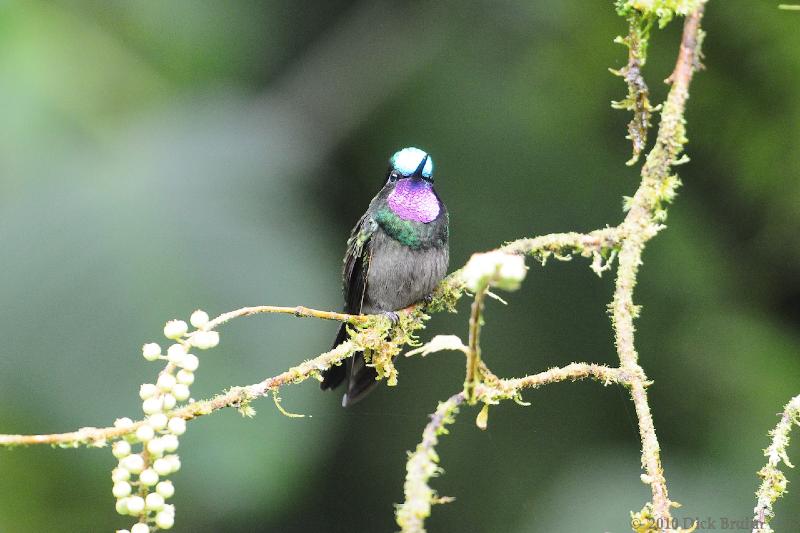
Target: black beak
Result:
[[418, 172]]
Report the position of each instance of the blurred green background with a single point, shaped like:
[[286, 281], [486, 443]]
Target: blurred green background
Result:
[[157, 157]]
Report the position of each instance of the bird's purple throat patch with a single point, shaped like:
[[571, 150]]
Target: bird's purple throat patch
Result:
[[414, 200]]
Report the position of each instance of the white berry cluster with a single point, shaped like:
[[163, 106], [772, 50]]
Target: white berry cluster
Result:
[[145, 496]]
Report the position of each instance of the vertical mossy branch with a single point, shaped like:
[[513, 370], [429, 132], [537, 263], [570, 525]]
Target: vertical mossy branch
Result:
[[637, 100], [474, 347], [422, 465], [773, 481], [643, 221]]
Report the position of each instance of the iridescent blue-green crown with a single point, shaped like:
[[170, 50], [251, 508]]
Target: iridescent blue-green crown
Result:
[[408, 160]]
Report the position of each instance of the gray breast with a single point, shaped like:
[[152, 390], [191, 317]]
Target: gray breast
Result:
[[400, 276]]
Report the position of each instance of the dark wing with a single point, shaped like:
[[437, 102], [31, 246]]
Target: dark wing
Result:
[[356, 264], [354, 280]]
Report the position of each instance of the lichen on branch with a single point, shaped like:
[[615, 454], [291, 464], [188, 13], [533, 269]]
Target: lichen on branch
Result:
[[773, 481], [422, 465], [637, 100]]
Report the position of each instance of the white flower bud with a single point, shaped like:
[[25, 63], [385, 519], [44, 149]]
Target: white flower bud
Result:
[[154, 501], [477, 271], [162, 466], [165, 488], [151, 351], [122, 507], [169, 509], [152, 406], [177, 425], [157, 421], [174, 461], [140, 527], [512, 272], [122, 530], [165, 520], [205, 339], [133, 463], [199, 318], [147, 390], [165, 382], [175, 353], [121, 449], [120, 474], [189, 362], [185, 377], [181, 392], [170, 442], [135, 506], [148, 477], [145, 433], [169, 402], [498, 269], [156, 447], [123, 422], [121, 489], [175, 329]]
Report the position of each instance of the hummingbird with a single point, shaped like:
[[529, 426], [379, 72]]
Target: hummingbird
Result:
[[396, 255]]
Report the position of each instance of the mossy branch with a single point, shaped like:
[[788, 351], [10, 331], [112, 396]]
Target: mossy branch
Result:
[[637, 100], [643, 221], [773, 481], [422, 465], [446, 295]]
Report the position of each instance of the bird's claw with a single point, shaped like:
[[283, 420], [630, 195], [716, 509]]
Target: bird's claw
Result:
[[393, 317]]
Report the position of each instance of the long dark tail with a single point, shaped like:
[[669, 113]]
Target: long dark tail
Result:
[[361, 378], [332, 377]]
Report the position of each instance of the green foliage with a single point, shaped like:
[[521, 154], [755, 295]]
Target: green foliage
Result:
[[662, 10]]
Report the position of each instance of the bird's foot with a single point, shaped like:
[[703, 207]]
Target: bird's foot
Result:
[[427, 299], [393, 317]]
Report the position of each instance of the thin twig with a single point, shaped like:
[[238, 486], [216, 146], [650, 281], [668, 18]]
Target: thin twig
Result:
[[583, 244], [298, 311], [638, 99], [234, 397], [571, 372], [472, 377]]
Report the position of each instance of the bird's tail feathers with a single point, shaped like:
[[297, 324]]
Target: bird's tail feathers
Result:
[[332, 377], [362, 380]]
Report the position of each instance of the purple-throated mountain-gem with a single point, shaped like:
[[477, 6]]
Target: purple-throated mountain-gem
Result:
[[396, 255]]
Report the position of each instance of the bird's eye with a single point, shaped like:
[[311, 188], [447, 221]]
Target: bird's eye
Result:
[[394, 175]]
